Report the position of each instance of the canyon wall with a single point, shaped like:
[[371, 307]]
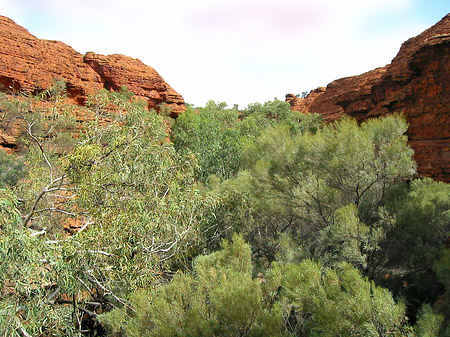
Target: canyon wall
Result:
[[415, 84], [29, 64]]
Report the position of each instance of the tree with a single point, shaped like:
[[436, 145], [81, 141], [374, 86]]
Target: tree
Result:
[[212, 135], [140, 217], [299, 182], [44, 130], [56, 91], [428, 323], [338, 302], [12, 169], [218, 136], [28, 279], [146, 214], [221, 298], [320, 205], [414, 251]]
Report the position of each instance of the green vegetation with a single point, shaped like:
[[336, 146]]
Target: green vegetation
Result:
[[12, 169], [217, 136], [254, 222], [220, 298]]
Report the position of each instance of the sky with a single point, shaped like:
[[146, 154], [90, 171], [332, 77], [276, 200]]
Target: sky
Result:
[[235, 51]]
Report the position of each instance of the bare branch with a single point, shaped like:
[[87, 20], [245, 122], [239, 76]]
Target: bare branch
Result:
[[46, 189], [36, 233], [53, 294], [89, 222], [58, 210], [62, 196], [94, 280], [87, 312], [101, 252], [21, 329], [39, 144]]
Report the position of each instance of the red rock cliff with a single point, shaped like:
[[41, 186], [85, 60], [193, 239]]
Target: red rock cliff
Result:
[[29, 64], [117, 70], [416, 83]]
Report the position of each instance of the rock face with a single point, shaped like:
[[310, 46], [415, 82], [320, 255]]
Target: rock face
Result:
[[416, 84], [117, 70], [30, 64]]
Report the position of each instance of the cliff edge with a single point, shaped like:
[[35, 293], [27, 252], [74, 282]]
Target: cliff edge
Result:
[[416, 84], [29, 64]]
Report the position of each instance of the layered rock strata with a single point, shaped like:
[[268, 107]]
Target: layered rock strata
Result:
[[415, 84], [29, 64]]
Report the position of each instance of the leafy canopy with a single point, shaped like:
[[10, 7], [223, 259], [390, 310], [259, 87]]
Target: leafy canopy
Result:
[[221, 298]]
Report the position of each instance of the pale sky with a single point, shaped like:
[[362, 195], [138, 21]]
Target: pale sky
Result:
[[236, 51]]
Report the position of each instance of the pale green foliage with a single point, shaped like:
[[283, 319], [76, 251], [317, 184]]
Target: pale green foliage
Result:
[[48, 212], [55, 91], [46, 134], [428, 323], [344, 239], [261, 116], [99, 101], [338, 302], [212, 135], [11, 111], [217, 136], [12, 169], [140, 193], [219, 298], [105, 103], [299, 182], [341, 164], [27, 278], [137, 201], [10, 216], [320, 200]]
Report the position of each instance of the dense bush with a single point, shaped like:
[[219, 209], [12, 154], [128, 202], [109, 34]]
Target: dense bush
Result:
[[127, 229], [323, 191], [221, 298], [12, 169], [217, 136]]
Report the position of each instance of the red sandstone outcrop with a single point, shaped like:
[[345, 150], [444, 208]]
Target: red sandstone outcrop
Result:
[[8, 143], [416, 84], [29, 64], [118, 70]]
